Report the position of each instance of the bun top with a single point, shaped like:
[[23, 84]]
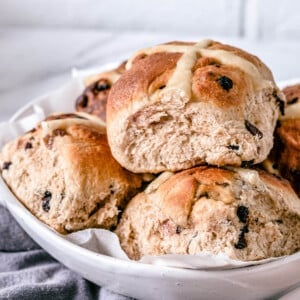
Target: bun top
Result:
[[178, 191], [208, 70], [246, 214], [292, 94], [94, 97]]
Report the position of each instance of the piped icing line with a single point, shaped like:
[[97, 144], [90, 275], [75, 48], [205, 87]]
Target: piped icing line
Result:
[[182, 75], [49, 126]]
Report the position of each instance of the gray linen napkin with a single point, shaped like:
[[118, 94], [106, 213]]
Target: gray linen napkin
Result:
[[28, 272]]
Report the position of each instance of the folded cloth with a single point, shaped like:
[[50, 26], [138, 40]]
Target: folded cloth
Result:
[[29, 272]]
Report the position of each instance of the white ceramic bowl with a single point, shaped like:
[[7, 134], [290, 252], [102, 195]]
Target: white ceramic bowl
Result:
[[137, 279]]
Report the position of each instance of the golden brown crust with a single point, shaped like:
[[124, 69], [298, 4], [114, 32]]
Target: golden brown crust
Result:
[[66, 176], [285, 154], [292, 93], [267, 74], [276, 181], [94, 98], [146, 73], [289, 132], [151, 72], [205, 85], [179, 192], [179, 43]]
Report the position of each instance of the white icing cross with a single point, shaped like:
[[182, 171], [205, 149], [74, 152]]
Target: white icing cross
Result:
[[182, 76]]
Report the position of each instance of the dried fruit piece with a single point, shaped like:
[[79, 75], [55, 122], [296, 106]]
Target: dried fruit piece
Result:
[[242, 213], [6, 165], [225, 82], [253, 130], [242, 243], [46, 201], [247, 163], [233, 147], [102, 85], [28, 145], [178, 229], [293, 101], [82, 101], [280, 103]]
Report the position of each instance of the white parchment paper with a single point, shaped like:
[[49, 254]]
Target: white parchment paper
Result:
[[107, 243]]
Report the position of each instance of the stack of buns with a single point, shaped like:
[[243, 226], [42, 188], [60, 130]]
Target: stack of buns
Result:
[[200, 117]]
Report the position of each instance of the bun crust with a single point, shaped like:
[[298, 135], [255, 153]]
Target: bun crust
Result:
[[246, 214], [285, 156], [183, 104], [94, 98], [64, 173]]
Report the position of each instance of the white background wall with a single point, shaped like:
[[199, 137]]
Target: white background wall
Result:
[[256, 19], [42, 40]]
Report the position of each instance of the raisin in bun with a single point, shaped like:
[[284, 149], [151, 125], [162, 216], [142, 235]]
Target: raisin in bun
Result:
[[64, 173], [244, 213], [284, 159], [93, 99], [183, 104]]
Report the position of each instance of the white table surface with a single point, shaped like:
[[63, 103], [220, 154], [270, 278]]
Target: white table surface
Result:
[[34, 61]]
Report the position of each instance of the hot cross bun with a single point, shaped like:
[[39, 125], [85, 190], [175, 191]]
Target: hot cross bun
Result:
[[246, 214], [183, 104], [64, 173]]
